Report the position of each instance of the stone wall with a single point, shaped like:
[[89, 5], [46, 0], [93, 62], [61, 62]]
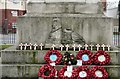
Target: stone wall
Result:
[[30, 71], [26, 63], [37, 57], [64, 7], [36, 29]]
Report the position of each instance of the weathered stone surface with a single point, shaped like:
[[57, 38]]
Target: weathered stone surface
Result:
[[31, 70], [36, 29], [29, 56], [64, 7], [87, 1]]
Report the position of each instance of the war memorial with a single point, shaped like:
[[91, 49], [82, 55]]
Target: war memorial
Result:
[[67, 39]]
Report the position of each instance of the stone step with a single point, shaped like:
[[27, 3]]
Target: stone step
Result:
[[30, 70], [37, 57]]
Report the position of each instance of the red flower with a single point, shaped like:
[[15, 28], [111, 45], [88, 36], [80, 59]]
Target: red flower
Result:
[[83, 71], [83, 52], [62, 71], [98, 72], [50, 52], [45, 68], [101, 58]]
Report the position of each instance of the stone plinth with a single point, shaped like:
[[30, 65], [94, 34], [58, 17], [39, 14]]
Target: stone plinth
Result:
[[37, 57], [26, 63], [40, 29], [30, 71], [82, 7]]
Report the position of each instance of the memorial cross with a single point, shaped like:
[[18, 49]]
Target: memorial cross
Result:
[[41, 46], [103, 46], [53, 46], [74, 47], [86, 46], [108, 46], [30, 46], [67, 47], [91, 47], [25, 46], [79, 46], [21, 46], [61, 47], [97, 46], [35, 46]]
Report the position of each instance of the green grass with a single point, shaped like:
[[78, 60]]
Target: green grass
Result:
[[2, 47]]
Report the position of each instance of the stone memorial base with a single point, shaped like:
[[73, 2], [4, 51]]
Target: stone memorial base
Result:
[[69, 29], [24, 64], [31, 70]]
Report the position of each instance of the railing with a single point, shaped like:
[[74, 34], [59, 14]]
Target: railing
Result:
[[8, 39], [116, 36]]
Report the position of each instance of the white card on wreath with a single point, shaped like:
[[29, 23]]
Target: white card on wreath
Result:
[[79, 62], [52, 64], [69, 68], [67, 73]]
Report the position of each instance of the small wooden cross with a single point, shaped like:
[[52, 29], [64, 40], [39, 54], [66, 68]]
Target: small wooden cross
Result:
[[108, 46], [21, 46], [74, 46], [41, 46], [86, 46], [97, 46], [56, 74], [79, 46], [30, 46], [61, 47], [103, 46], [53, 46], [67, 47], [35, 46], [91, 47], [25, 46]]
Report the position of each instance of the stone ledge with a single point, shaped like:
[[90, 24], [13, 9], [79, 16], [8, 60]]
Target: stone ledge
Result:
[[65, 7], [37, 57], [40, 78], [35, 14], [31, 70]]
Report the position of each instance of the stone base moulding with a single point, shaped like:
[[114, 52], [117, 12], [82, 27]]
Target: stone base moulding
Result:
[[31, 70]]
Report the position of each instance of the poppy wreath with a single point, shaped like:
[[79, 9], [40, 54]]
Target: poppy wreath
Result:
[[85, 52], [101, 58], [68, 57], [98, 72], [83, 72], [47, 72], [55, 52], [62, 72]]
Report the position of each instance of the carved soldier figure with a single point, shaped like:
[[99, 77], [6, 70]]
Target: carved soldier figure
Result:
[[55, 34]]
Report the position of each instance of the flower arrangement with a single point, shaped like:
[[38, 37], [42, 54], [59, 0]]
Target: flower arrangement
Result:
[[53, 56], [101, 58], [47, 72], [70, 75], [98, 72], [82, 72], [85, 56], [68, 57]]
